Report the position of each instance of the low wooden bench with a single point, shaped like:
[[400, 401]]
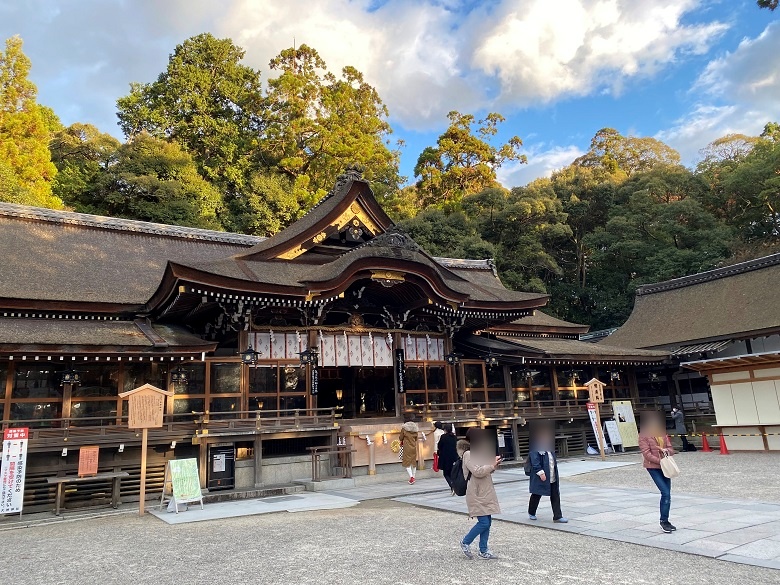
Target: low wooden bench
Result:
[[61, 480], [562, 445]]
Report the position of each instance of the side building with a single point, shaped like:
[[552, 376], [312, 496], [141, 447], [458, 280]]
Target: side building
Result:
[[722, 331]]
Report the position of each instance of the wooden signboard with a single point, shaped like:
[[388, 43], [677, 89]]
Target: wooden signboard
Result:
[[182, 483], [88, 460], [145, 407], [595, 390]]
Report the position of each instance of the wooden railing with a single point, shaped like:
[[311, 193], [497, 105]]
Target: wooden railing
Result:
[[250, 422], [46, 434], [502, 410]]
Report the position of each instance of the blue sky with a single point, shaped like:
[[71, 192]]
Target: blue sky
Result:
[[684, 71]]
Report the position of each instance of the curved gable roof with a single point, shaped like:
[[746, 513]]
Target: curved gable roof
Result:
[[351, 196]]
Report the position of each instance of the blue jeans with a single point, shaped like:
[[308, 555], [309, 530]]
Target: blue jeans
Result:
[[481, 529], [665, 487]]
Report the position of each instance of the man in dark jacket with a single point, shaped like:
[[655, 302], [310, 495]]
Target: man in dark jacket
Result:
[[544, 475], [679, 427], [448, 454]]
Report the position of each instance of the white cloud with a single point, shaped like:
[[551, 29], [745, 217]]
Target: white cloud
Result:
[[425, 58], [542, 161], [738, 93], [542, 50]]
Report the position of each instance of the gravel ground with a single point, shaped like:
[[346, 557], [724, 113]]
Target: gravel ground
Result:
[[754, 476], [378, 542]]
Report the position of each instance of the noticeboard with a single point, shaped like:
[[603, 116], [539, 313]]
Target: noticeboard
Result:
[[595, 425], [88, 460], [623, 412], [145, 406], [613, 432], [185, 481], [145, 411], [12, 470]]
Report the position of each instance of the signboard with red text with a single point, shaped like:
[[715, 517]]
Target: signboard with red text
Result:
[[12, 470]]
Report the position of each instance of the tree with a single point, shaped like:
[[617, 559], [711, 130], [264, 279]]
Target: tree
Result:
[[316, 124], [208, 102], [750, 198], [452, 235], [770, 4], [661, 231], [527, 230], [24, 133], [154, 180], [81, 154], [462, 162], [618, 154], [268, 205]]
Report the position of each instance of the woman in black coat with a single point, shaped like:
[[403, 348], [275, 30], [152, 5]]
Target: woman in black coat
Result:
[[448, 454]]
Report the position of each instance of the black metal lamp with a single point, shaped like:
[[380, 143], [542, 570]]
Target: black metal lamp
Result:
[[249, 355], [310, 357], [179, 376], [71, 377], [452, 358], [491, 360]]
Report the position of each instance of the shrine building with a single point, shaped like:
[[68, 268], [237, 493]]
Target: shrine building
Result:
[[330, 332]]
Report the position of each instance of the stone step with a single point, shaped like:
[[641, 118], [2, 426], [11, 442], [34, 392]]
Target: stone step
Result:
[[251, 494]]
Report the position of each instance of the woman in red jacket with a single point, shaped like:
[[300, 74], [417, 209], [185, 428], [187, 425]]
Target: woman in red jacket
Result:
[[655, 444]]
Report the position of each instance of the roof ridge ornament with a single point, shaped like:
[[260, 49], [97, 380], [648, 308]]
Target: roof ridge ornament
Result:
[[353, 172], [395, 237]]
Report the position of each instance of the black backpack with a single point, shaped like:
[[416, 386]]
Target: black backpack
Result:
[[527, 468], [459, 483]]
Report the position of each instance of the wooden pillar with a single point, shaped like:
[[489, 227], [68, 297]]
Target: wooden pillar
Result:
[[258, 461], [633, 386], [554, 384], [67, 393], [8, 384], [203, 461], [508, 384]]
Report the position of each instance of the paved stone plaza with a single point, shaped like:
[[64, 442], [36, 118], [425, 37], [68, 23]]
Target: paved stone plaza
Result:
[[612, 539]]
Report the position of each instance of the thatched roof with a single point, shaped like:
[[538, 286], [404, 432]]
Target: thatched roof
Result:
[[734, 302]]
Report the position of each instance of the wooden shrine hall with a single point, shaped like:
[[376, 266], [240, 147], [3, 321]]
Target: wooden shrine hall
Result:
[[329, 332]]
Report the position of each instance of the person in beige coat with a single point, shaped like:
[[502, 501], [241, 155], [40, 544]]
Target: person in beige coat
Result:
[[479, 463], [409, 435]]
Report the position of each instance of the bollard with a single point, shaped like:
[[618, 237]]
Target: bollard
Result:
[[705, 444]]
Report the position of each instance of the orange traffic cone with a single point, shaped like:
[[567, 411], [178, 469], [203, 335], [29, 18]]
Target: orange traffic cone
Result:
[[724, 450], [705, 444]]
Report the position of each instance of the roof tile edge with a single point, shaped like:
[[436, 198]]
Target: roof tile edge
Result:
[[710, 275], [124, 225]]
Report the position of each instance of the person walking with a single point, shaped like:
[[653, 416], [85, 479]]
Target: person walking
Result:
[[479, 463], [409, 434], [544, 475], [437, 434], [679, 427], [448, 454], [655, 444]]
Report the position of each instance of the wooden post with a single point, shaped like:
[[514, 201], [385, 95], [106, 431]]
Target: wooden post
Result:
[[145, 408], [596, 397], [372, 459], [144, 443]]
